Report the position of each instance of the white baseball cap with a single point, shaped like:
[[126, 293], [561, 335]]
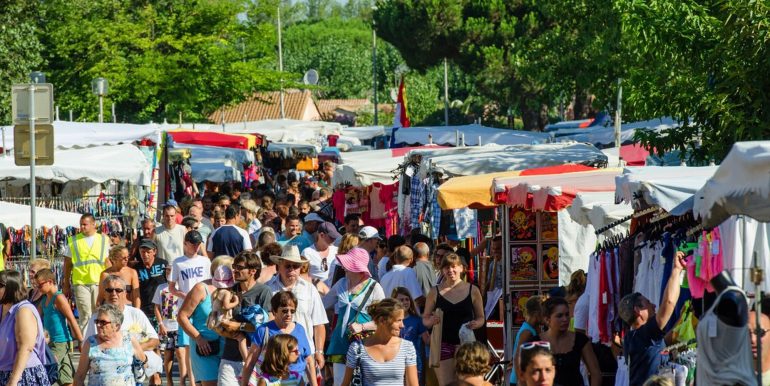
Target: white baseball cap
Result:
[[369, 232]]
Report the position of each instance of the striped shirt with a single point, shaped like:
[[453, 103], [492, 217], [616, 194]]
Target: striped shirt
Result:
[[374, 373]]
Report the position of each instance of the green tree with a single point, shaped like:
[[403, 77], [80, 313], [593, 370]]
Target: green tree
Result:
[[515, 50], [702, 62], [160, 57], [19, 49]]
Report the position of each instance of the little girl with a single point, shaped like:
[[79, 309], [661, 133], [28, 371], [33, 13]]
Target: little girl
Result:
[[413, 331], [223, 300], [281, 351]]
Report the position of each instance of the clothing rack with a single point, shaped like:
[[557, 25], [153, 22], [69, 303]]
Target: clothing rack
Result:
[[613, 224], [677, 346], [645, 212]]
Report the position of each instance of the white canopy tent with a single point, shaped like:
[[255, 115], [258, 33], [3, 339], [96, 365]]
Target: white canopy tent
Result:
[[214, 170], [740, 185], [363, 168], [598, 209], [124, 163], [602, 136], [465, 161], [447, 135], [364, 133], [86, 134], [670, 187], [17, 216]]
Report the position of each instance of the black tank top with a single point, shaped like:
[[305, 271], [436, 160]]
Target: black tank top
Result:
[[455, 315]]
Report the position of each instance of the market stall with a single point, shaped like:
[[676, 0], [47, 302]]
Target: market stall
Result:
[[210, 138], [466, 135], [85, 134]]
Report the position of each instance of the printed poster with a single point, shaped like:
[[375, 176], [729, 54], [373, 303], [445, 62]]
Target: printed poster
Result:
[[549, 226], [524, 262], [523, 224], [550, 259], [518, 302]]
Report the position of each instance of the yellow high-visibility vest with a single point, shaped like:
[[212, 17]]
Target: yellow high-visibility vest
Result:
[[88, 262]]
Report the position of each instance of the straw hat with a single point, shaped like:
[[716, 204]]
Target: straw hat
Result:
[[289, 253]]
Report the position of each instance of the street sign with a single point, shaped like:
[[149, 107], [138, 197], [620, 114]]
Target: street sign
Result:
[[43, 103], [43, 144]]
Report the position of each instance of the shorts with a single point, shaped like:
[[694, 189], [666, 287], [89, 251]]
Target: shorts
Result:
[[448, 351], [169, 342], [63, 353]]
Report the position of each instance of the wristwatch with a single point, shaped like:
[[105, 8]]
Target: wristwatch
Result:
[[242, 327]]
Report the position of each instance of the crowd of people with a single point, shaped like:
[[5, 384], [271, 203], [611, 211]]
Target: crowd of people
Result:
[[259, 286]]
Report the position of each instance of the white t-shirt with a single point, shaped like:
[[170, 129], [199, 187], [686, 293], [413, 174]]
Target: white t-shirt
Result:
[[316, 262], [581, 312], [310, 308], [168, 306], [187, 272], [401, 276], [135, 323], [170, 242]]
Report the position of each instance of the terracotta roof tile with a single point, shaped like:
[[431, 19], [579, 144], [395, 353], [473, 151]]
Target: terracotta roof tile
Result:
[[266, 105], [329, 105]]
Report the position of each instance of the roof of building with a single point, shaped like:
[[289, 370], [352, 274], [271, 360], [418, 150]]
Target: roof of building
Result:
[[328, 105], [266, 105]]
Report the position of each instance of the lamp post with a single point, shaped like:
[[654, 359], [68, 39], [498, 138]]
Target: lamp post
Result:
[[374, 66], [280, 61], [34, 78], [99, 86]]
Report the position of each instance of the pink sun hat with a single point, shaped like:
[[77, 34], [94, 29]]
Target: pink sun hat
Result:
[[223, 277], [356, 260]]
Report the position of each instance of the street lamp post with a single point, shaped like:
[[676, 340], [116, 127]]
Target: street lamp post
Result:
[[280, 62], [99, 86]]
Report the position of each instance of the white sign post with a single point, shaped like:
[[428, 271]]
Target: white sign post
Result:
[[29, 112]]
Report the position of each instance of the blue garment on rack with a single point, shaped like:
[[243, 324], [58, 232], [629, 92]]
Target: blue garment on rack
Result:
[[466, 223], [415, 201], [435, 211]]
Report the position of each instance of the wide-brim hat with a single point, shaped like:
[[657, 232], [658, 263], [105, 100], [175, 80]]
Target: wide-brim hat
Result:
[[289, 253], [356, 260]]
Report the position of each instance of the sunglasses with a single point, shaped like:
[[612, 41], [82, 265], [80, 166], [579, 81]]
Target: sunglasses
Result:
[[761, 334], [102, 323], [239, 267], [292, 267], [115, 290], [539, 343], [295, 351], [324, 264], [288, 311]]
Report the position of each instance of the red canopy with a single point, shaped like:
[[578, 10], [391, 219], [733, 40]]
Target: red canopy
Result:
[[210, 138]]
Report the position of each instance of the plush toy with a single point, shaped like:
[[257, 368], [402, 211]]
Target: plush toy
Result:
[[223, 301]]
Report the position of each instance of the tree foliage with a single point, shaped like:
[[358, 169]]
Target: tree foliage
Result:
[[703, 62], [522, 54], [19, 49], [161, 58]]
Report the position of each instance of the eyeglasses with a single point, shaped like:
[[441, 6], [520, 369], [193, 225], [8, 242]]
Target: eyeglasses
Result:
[[292, 267], [762, 332], [288, 311], [115, 290], [295, 351], [539, 343], [102, 323]]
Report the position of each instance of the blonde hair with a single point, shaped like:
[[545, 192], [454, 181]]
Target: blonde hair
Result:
[[220, 261], [115, 251], [277, 350], [384, 310], [472, 359], [657, 380], [348, 242], [40, 263]]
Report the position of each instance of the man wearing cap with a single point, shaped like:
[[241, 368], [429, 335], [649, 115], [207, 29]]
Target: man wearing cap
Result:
[[644, 341], [310, 310], [321, 255], [152, 273], [369, 237], [229, 239], [169, 237]]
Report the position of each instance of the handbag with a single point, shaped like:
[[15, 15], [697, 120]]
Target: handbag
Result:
[[358, 376], [213, 346], [363, 334], [51, 366]]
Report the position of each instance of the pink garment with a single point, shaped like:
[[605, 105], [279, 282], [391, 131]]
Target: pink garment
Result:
[[338, 199], [377, 209], [710, 252], [697, 286]]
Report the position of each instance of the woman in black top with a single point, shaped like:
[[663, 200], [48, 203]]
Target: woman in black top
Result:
[[568, 347], [460, 303]]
